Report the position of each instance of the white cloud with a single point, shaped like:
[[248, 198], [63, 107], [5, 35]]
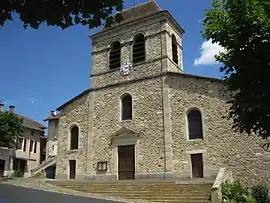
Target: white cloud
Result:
[[208, 52]]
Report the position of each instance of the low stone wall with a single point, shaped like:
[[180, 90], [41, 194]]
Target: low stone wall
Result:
[[224, 175]]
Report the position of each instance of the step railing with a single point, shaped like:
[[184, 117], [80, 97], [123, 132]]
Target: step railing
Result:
[[44, 164], [224, 175]]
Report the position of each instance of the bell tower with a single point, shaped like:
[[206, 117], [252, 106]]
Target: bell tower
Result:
[[144, 41]]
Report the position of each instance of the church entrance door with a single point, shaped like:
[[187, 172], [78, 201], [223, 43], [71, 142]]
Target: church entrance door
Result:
[[126, 162], [197, 165]]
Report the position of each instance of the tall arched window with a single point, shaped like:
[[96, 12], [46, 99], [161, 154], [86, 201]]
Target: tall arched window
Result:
[[138, 49], [195, 130], [74, 137], [174, 49], [115, 55], [126, 107]]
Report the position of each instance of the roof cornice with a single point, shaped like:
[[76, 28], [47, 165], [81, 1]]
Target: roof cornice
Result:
[[159, 14]]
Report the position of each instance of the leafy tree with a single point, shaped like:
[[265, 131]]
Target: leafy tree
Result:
[[11, 129], [60, 13], [242, 27]]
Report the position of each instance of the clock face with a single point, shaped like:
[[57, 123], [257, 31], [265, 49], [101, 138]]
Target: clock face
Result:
[[126, 68]]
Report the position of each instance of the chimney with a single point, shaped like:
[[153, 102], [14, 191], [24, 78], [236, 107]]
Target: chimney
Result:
[[2, 107], [52, 112], [12, 109]]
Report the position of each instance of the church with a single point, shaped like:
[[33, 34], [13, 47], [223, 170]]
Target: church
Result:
[[144, 118]]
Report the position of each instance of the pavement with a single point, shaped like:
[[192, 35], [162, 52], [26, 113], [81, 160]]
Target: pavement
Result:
[[17, 194]]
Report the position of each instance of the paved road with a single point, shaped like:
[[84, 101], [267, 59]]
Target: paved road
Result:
[[14, 194]]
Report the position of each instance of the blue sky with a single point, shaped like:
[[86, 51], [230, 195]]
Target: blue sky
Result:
[[42, 69]]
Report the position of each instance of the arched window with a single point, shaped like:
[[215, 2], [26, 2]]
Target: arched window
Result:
[[195, 130], [126, 107], [115, 55], [74, 137], [174, 49], [138, 49]]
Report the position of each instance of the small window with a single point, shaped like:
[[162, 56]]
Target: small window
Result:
[[174, 49], [139, 49], [115, 55], [127, 107], [74, 137], [31, 146], [102, 166], [35, 147], [19, 143], [195, 130], [24, 145]]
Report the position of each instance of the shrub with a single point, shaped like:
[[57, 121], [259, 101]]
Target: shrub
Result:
[[233, 192], [260, 193], [250, 199], [18, 173]]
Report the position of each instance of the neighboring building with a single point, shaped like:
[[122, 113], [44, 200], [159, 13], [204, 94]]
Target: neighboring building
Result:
[[27, 153], [146, 118], [51, 145]]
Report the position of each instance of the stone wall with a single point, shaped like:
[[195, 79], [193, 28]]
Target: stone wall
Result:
[[221, 147], [147, 121], [51, 145], [158, 46], [74, 114], [171, 65]]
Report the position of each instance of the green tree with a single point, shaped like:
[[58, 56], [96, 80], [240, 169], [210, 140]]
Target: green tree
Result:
[[242, 27], [11, 128], [60, 13]]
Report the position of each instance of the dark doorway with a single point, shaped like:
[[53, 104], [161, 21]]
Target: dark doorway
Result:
[[72, 169], [2, 167], [126, 162], [197, 165], [20, 166]]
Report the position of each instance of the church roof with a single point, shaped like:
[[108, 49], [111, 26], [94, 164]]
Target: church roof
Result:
[[168, 73], [133, 13], [140, 10]]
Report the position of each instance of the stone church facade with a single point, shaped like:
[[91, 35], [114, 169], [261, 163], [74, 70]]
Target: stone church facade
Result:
[[148, 119]]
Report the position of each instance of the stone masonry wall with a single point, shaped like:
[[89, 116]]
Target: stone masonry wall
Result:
[[221, 147], [147, 121], [172, 66], [151, 30], [75, 113]]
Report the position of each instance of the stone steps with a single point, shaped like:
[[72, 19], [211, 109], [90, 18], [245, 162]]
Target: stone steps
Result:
[[146, 191]]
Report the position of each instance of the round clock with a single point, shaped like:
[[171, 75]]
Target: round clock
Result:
[[126, 68]]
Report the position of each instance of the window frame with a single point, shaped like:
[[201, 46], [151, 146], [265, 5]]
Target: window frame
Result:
[[121, 107], [173, 46], [35, 146], [202, 124], [109, 58], [31, 147], [70, 137], [138, 35], [24, 144]]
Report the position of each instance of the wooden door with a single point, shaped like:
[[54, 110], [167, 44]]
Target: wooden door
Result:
[[2, 167], [72, 169], [126, 162], [197, 165]]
